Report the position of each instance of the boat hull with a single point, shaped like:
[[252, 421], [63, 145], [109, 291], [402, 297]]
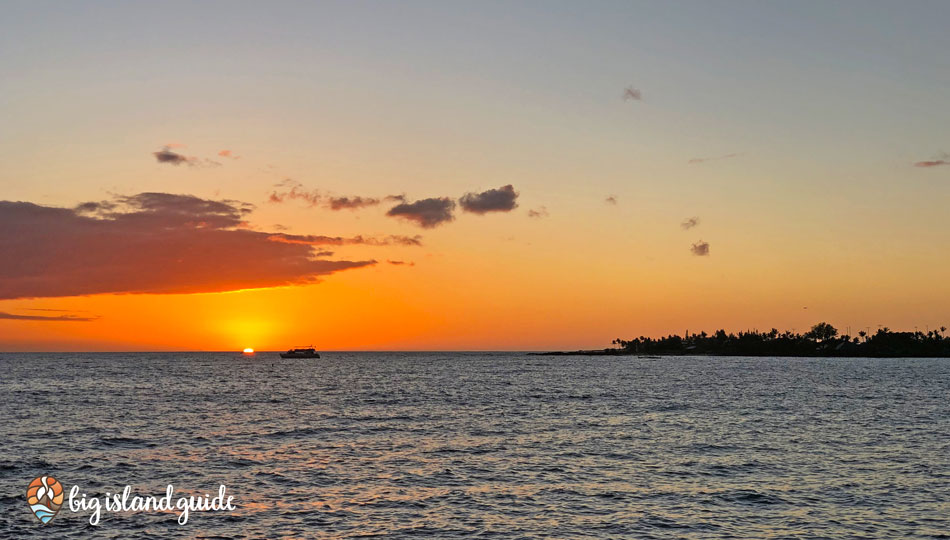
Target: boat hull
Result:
[[299, 355]]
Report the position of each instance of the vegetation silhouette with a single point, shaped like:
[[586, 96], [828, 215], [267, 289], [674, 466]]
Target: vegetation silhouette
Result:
[[822, 340]]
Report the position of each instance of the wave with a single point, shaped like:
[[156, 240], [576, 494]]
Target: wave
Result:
[[43, 512]]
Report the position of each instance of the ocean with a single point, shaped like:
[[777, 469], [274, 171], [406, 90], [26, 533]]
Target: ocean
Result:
[[486, 445]]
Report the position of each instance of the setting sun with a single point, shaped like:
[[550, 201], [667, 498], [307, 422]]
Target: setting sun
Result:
[[248, 351]]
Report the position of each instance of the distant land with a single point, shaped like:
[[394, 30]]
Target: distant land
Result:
[[823, 340]]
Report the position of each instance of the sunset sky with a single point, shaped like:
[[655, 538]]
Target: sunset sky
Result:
[[221, 175]]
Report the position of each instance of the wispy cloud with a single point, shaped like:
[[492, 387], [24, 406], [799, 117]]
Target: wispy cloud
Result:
[[700, 249], [157, 243], [696, 161], [171, 157], [350, 203], [631, 93], [934, 163], [69, 317], [611, 199], [228, 154], [939, 160], [539, 212], [427, 213], [690, 223], [296, 191], [320, 240], [401, 263], [503, 199], [292, 190]]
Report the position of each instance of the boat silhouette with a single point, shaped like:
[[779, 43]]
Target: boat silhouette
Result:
[[301, 352]]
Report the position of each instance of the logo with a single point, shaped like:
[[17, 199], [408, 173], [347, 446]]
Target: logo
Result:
[[45, 496]]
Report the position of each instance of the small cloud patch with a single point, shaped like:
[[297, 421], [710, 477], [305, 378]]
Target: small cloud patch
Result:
[[700, 249], [503, 199], [168, 156], [539, 212], [690, 223], [632, 94], [933, 163], [426, 213]]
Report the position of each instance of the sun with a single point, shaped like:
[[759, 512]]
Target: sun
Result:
[[248, 351]]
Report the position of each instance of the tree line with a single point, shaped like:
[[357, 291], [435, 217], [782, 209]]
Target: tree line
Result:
[[822, 340]]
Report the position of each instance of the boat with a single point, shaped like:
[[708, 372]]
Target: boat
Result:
[[301, 352]]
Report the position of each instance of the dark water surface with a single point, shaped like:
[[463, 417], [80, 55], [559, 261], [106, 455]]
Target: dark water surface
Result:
[[448, 445]]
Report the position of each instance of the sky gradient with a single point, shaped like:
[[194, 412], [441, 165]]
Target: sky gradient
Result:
[[228, 147]]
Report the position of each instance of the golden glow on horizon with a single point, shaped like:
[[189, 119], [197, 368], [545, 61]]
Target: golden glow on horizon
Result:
[[248, 350], [804, 194]]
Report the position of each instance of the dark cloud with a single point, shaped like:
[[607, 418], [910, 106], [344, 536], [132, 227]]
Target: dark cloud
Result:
[[167, 155], [426, 213], [631, 93], [69, 317], [350, 203], [934, 163], [539, 212], [696, 161], [503, 199], [156, 243], [401, 263], [700, 249], [690, 223], [611, 199]]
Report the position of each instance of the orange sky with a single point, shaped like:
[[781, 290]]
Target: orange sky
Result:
[[817, 169]]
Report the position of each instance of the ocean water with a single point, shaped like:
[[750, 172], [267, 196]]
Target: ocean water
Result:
[[486, 445]]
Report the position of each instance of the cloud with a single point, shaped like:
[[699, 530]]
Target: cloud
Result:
[[401, 263], [157, 243], [503, 199], [296, 192], [696, 161], [167, 155], [611, 199], [700, 249], [631, 93], [427, 213], [228, 154], [690, 223], [319, 240], [315, 198], [350, 203], [934, 163], [942, 158], [47, 318], [539, 212]]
